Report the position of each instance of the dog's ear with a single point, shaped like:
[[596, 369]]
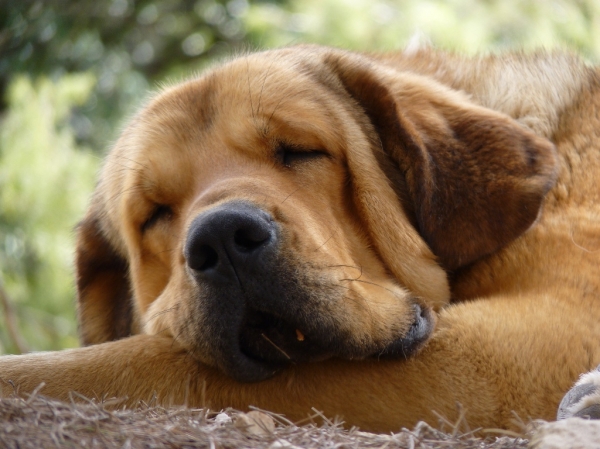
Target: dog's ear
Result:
[[104, 304], [475, 178]]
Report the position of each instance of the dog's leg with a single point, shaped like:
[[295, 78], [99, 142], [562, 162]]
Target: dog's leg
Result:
[[376, 395], [133, 369], [493, 356], [583, 400]]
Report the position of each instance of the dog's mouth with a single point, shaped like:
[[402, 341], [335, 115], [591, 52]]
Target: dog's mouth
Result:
[[271, 339], [420, 330], [268, 343]]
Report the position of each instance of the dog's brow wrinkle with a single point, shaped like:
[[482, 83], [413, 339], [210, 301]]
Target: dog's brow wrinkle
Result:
[[263, 86], [250, 90], [273, 113]]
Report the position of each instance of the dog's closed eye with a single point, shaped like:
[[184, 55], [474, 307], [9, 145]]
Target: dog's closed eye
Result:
[[160, 212], [289, 155]]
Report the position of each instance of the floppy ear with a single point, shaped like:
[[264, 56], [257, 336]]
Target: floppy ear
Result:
[[475, 178], [104, 304]]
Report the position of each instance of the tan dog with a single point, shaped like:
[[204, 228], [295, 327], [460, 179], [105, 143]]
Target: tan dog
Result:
[[377, 237]]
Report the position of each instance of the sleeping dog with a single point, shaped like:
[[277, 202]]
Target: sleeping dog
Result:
[[376, 236]]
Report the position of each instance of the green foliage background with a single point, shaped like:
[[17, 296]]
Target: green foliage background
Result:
[[70, 71]]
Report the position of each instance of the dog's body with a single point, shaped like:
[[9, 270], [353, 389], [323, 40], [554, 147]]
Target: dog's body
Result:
[[303, 219]]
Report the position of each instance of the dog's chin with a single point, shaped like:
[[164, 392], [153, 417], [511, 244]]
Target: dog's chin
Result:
[[267, 344]]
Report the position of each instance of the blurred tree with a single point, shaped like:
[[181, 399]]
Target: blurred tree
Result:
[[463, 25], [127, 44], [45, 180]]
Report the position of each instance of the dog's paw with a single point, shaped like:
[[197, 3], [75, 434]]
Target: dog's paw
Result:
[[583, 400]]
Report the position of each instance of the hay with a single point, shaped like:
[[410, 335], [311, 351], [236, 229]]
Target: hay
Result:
[[38, 422]]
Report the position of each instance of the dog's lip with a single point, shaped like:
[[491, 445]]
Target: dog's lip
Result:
[[274, 339], [246, 364], [244, 368], [241, 360], [418, 334]]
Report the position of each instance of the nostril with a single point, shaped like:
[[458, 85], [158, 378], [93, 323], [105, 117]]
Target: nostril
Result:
[[421, 316], [230, 240], [204, 258], [420, 311], [251, 238]]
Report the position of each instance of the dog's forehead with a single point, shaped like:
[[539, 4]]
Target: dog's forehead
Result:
[[246, 104], [247, 85], [240, 110]]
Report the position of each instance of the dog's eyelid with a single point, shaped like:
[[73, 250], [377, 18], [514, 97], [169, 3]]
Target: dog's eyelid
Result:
[[159, 212], [288, 155]]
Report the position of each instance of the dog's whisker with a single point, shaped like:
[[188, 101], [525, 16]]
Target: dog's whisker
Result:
[[273, 113], [177, 337], [591, 251], [359, 268], [252, 113], [121, 192], [325, 242], [275, 346], [163, 331], [341, 265], [362, 301], [134, 161], [371, 283], [381, 304], [163, 312], [286, 198], [263, 87]]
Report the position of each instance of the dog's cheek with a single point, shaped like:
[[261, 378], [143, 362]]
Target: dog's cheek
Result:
[[158, 318], [152, 259], [150, 281], [382, 312], [179, 312]]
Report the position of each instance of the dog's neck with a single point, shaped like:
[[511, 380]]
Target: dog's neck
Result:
[[533, 89]]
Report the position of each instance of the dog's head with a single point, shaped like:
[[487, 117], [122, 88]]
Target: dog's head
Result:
[[300, 204]]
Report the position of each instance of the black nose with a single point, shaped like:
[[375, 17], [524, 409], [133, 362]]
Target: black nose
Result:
[[229, 241]]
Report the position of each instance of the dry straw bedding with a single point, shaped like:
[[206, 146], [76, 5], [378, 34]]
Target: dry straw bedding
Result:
[[38, 422]]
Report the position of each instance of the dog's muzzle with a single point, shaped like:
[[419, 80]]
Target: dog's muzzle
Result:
[[258, 315], [232, 253]]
